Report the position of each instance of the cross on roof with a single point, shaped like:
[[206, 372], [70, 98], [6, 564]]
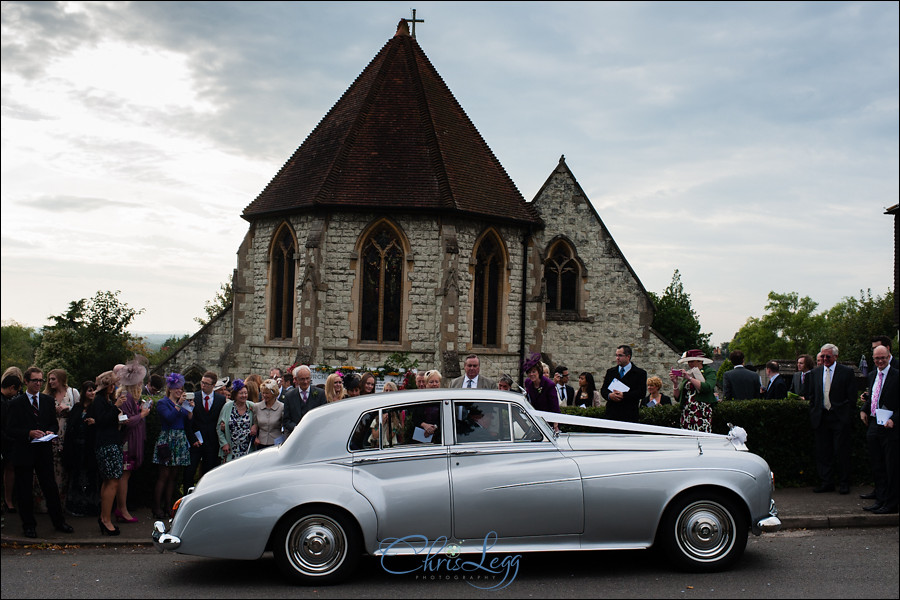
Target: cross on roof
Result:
[[414, 20]]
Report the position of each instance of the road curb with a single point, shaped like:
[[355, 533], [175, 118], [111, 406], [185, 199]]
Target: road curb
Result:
[[792, 522]]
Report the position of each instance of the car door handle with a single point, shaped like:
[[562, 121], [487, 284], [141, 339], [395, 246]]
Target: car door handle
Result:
[[462, 452]]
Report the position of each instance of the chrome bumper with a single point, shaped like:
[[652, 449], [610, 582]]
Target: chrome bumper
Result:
[[771, 523], [163, 541]]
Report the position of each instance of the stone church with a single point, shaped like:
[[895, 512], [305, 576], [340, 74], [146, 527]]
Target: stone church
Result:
[[393, 228]]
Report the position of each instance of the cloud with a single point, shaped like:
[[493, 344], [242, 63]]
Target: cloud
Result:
[[62, 204], [764, 135]]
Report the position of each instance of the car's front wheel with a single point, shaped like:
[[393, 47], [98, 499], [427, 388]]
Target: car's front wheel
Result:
[[319, 546], [704, 531]]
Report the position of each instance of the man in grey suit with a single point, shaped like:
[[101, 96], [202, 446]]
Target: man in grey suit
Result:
[[473, 377], [740, 383], [832, 406]]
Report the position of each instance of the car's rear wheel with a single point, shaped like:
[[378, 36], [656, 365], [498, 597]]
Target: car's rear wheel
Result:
[[704, 531], [317, 546]]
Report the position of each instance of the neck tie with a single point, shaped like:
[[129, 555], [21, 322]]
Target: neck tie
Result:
[[34, 405], [304, 392], [621, 371], [827, 399], [469, 384], [206, 400], [876, 395]]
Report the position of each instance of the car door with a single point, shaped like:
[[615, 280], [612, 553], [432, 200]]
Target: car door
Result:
[[517, 483], [406, 480]]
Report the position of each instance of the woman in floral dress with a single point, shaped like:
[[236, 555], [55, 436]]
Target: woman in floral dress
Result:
[[237, 425], [694, 389]]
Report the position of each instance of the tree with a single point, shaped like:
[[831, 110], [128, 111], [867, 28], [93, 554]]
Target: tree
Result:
[[789, 328], [167, 349], [17, 346], [852, 322], [89, 338], [676, 320], [220, 303]]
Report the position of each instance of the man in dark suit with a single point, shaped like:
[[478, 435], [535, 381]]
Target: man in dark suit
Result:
[[740, 383], [777, 388], [882, 440], [800, 380], [564, 391], [302, 399], [624, 406], [883, 340], [205, 446], [832, 403], [32, 415], [473, 377]]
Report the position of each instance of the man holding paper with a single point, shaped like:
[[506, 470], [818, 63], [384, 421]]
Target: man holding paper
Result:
[[624, 386], [879, 412], [32, 416]]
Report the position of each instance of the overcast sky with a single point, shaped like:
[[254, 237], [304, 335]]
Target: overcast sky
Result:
[[754, 147]]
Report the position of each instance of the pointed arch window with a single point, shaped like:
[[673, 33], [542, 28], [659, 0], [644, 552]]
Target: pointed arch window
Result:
[[382, 285], [283, 283], [561, 272], [489, 268]]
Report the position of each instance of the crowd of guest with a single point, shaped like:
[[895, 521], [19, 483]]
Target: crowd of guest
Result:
[[92, 440]]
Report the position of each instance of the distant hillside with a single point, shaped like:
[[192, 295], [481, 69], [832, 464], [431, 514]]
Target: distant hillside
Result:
[[155, 340]]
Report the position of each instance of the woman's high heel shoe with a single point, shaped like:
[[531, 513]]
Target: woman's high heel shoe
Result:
[[106, 531], [122, 519]]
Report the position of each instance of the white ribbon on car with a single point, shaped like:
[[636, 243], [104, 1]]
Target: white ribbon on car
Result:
[[737, 434]]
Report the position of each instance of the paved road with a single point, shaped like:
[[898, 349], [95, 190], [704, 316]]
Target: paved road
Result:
[[819, 563]]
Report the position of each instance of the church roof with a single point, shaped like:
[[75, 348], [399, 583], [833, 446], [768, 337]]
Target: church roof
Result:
[[397, 140]]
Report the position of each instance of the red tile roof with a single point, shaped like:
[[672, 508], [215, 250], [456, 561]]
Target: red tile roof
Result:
[[397, 140]]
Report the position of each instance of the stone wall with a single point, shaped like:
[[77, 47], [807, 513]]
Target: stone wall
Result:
[[615, 308], [439, 271]]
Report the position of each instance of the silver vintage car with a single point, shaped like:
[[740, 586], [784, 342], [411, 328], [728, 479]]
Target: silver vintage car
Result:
[[472, 471]]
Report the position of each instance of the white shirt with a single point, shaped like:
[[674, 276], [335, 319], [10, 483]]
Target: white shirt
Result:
[[474, 382]]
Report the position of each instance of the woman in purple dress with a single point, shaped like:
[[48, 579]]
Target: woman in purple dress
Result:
[[134, 431], [540, 389]]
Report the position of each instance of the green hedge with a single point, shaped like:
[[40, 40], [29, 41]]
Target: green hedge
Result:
[[777, 430]]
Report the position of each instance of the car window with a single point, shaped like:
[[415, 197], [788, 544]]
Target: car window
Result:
[[523, 428], [395, 426], [481, 422]]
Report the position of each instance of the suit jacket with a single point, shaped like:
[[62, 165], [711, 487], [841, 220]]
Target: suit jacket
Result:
[[801, 388], [843, 395], [778, 388], [890, 393], [295, 409], [629, 408], [22, 420], [740, 384], [206, 422], [483, 383]]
